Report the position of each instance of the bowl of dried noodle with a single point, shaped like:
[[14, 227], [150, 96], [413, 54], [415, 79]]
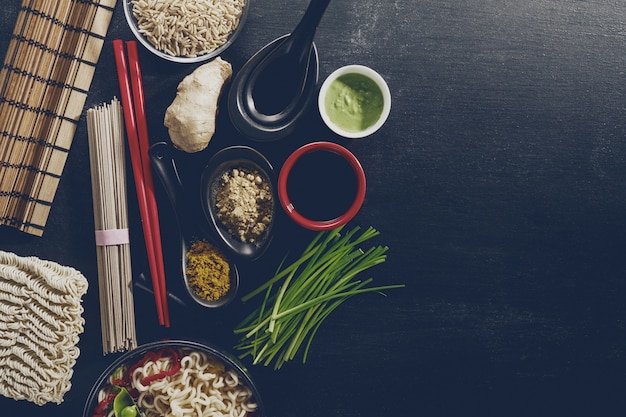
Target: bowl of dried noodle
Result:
[[186, 31], [174, 377]]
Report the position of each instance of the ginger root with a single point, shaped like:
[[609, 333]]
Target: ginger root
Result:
[[190, 118]]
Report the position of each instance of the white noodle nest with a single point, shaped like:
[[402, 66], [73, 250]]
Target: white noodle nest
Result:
[[40, 323]]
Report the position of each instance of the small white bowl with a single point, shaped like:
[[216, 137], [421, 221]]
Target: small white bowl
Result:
[[384, 92]]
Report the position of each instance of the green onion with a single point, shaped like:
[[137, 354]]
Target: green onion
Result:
[[300, 296]]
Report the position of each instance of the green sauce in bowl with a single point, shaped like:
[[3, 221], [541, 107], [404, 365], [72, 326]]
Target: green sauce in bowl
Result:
[[354, 102]]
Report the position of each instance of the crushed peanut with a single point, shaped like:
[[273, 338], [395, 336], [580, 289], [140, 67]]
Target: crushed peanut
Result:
[[244, 204]]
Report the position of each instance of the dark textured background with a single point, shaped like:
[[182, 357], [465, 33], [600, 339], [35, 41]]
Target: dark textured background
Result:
[[498, 182]]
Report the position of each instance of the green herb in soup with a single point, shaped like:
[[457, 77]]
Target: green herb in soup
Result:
[[124, 405], [354, 102]]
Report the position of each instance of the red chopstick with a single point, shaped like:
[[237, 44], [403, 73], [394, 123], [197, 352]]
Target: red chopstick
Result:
[[144, 146], [143, 177]]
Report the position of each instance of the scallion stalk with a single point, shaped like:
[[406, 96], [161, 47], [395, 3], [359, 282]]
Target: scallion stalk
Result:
[[300, 296]]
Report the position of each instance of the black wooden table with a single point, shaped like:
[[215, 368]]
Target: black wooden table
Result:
[[498, 183]]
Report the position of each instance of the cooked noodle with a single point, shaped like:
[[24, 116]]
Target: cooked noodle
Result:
[[203, 387]]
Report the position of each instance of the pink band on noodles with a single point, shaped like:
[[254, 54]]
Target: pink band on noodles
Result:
[[112, 237]]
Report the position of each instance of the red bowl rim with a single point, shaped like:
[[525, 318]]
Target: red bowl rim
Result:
[[321, 225]]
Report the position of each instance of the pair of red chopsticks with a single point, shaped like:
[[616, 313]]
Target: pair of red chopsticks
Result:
[[138, 143]]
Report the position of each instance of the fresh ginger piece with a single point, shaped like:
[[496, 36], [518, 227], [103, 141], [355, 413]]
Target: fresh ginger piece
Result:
[[190, 118]]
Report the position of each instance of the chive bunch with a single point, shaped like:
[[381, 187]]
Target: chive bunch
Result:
[[299, 297]]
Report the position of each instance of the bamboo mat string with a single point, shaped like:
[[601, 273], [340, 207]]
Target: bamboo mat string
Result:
[[47, 72]]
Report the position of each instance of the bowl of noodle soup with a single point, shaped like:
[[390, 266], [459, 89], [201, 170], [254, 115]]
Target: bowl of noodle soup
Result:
[[176, 378]]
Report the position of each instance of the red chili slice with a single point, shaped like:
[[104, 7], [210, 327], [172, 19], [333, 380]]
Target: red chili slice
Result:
[[119, 382], [174, 368], [101, 409], [149, 356]]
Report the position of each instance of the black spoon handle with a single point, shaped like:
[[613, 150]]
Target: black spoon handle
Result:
[[304, 32], [165, 168]]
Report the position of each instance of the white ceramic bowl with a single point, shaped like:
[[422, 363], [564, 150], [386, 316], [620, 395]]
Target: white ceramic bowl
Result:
[[371, 75], [132, 23]]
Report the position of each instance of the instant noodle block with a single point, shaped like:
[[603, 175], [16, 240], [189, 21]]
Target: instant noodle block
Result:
[[40, 323]]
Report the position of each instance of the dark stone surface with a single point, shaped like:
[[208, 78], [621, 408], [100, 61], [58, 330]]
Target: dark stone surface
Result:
[[498, 182]]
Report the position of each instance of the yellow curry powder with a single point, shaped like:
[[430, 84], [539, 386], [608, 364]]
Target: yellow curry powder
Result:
[[207, 270]]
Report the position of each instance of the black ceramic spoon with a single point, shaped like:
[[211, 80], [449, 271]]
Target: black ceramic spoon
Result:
[[165, 168], [272, 90]]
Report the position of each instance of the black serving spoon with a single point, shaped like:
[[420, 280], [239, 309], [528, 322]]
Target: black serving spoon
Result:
[[273, 89], [165, 168], [237, 157]]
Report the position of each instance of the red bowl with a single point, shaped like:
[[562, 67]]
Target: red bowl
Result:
[[321, 225]]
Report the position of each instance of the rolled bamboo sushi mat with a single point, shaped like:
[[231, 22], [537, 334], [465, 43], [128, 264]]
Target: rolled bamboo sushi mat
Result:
[[47, 72]]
